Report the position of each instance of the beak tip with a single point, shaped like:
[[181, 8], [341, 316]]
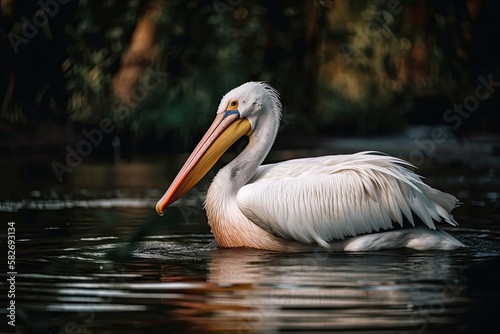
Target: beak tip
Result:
[[159, 210]]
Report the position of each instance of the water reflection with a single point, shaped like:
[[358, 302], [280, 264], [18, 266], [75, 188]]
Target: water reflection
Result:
[[170, 281], [337, 291]]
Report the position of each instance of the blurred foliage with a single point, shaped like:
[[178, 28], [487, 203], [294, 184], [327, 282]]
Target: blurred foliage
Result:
[[206, 48], [360, 82], [99, 36], [393, 54], [349, 67]]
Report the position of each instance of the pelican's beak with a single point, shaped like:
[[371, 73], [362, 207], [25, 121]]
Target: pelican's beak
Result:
[[226, 129]]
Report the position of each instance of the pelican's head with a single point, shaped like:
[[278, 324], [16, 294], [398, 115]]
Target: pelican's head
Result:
[[238, 114], [251, 100]]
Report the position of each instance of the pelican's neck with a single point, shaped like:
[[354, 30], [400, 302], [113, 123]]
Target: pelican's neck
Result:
[[230, 227], [241, 169]]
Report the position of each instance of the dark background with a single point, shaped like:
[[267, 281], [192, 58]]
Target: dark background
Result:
[[343, 68]]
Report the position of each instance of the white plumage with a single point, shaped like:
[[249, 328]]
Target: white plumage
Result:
[[333, 197], [342, 202]]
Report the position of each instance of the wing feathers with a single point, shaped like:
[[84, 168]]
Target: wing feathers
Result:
[[317, 200]]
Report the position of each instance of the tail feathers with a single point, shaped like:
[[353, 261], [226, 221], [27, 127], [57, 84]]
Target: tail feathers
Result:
[[447, 201]]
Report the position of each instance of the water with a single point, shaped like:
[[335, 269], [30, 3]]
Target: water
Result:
[[92, 256]]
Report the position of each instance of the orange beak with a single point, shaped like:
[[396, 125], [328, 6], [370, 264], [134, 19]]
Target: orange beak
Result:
[[226, 129]]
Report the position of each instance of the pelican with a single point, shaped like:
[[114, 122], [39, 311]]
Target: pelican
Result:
[[359, 202]]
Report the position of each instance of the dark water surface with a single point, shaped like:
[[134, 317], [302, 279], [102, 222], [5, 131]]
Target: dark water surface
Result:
[[92, 256]]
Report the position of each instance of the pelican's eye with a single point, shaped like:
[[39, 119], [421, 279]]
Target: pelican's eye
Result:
[[232, 105]]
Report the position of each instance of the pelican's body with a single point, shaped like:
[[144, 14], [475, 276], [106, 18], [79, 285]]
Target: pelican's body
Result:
[[335, 202]]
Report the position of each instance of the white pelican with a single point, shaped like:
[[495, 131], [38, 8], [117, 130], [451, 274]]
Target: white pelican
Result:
[[334, 202]]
